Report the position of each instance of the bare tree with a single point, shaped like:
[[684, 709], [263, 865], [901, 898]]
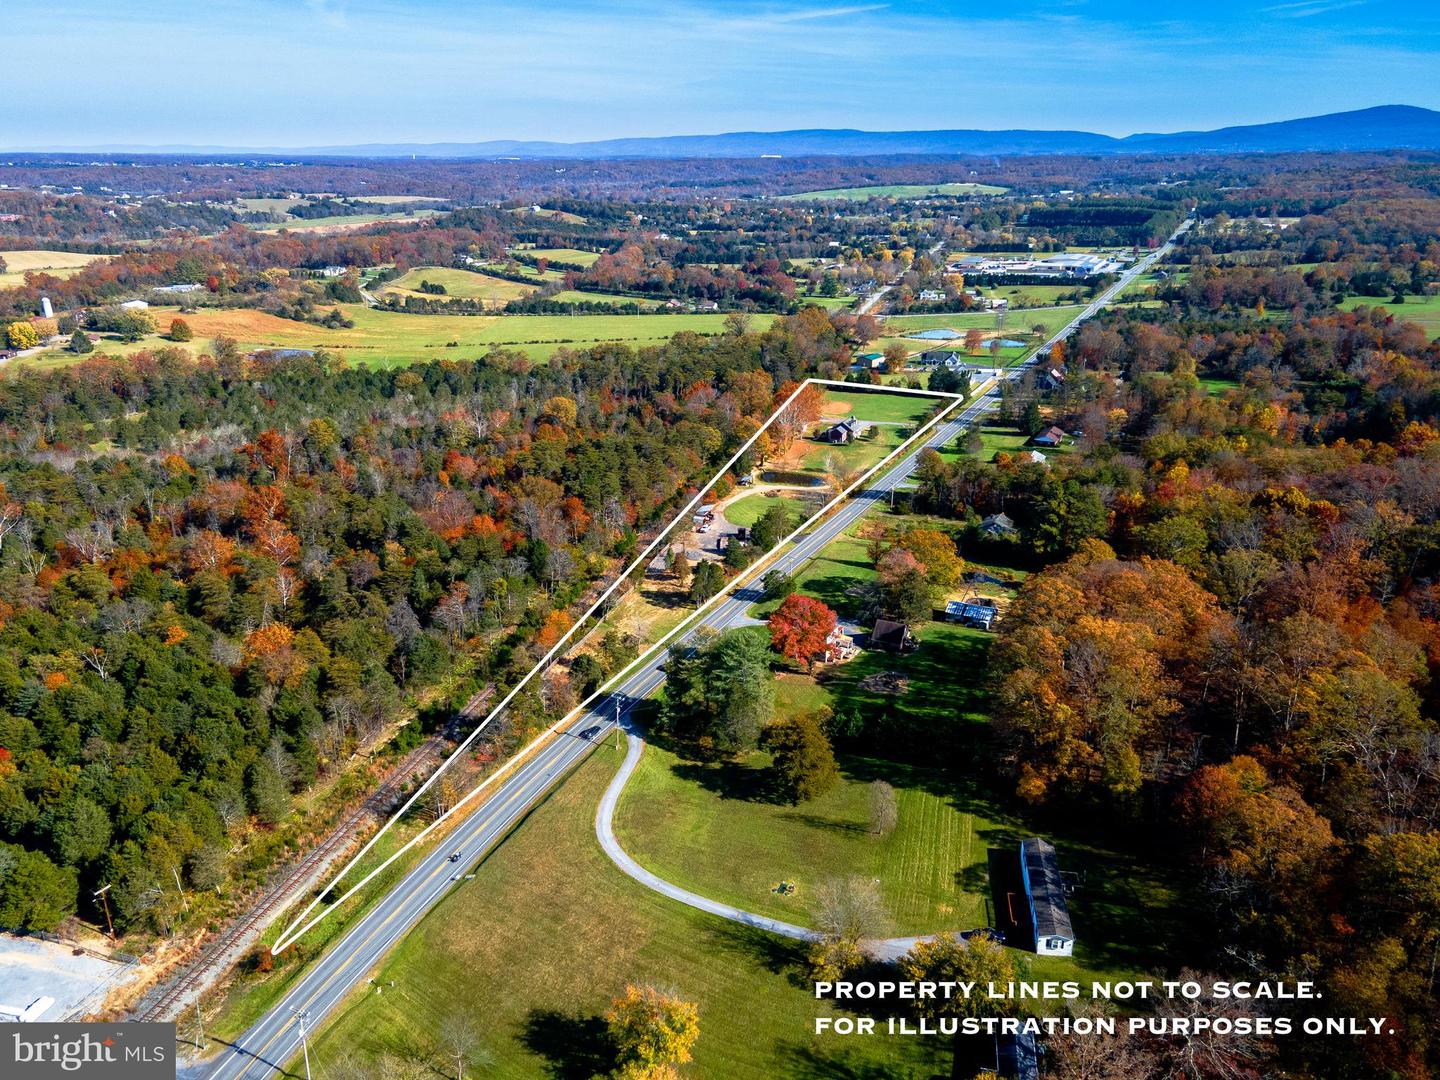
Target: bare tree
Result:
[[850, 908], [460, 1040], [884, 809]]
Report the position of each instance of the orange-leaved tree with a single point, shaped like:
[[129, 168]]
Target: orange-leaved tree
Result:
[[799, 628]]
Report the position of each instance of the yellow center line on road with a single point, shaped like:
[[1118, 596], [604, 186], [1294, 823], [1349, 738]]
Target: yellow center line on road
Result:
[[346, 964]]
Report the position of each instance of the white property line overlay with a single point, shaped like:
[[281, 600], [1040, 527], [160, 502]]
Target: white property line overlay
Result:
[[290, 935]]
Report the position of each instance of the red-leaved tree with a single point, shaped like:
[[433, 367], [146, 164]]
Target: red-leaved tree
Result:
[[799, 627]]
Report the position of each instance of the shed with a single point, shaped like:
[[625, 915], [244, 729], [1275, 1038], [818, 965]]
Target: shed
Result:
[[1045, 896], [890, 634]]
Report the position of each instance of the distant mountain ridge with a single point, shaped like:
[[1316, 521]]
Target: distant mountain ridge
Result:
[[1384, 127]]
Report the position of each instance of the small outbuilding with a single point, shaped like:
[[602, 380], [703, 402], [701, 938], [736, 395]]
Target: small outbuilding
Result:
[[891, 634]]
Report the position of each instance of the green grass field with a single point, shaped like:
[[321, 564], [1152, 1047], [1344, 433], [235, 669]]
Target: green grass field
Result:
[[748, 510], [881, 407], [565, 255], [1036, 295], [580, 296], [898, 191], [829, 303], [829, 576], [389, 339], [854, 457], [699, 826], [1217, 386], [1424, 310], [709, 827], [466, 284], [1016, 323], [533, 950]]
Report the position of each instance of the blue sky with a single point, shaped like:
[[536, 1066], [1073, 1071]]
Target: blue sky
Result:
[[330, 72]]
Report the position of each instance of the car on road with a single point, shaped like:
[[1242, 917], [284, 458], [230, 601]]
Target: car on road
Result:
[[590, 732], [997, 936], [455, 856]]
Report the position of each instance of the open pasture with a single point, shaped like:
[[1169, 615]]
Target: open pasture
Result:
[[60, 264], [390, 339]]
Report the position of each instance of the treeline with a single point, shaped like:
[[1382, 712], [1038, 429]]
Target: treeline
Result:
[[219, 578], [1241, 648], [1109, 221]]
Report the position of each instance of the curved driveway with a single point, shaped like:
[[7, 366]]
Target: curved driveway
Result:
[[886, 949], [276, 1038]]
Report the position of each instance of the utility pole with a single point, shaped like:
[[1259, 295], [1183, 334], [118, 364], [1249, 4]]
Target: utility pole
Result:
[[199, 1027], [617, 722], [301, 1017], [100, 892]]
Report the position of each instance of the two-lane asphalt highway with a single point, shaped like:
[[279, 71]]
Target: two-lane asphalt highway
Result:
[[275, 1039]]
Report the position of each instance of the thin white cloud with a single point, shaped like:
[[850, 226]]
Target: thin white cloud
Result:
[[1305, 9], [814, 14]]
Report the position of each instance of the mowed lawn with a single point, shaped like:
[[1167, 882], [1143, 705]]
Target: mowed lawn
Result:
[[713, 828], [1424, 310], [843, 564], [465, 284], [879, 407], [703, 827], [549, 931], [388, 339], [564, 255], [748, 510], [60, 264], [864, 452], [1017, 323]]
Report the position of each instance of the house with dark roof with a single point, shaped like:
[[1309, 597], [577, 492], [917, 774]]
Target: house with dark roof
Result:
[[891, 634], [1045, 897], [997, 525], [845, 432]]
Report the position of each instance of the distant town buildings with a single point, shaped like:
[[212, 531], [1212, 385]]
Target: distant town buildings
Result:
[[1072, 266]]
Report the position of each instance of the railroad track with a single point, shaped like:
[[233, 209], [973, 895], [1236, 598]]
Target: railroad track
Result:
[[219, 954]]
